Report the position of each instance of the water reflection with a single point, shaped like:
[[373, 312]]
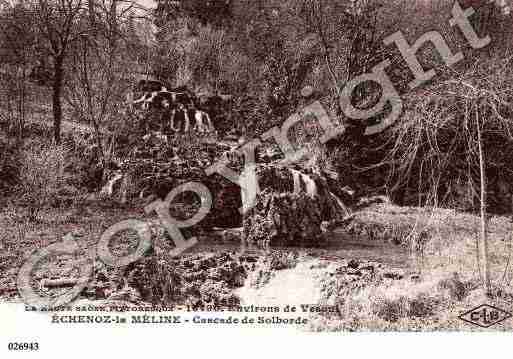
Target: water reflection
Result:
[[336, 248]]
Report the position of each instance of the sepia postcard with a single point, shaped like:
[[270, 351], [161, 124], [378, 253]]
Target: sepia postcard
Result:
[[293, 168]]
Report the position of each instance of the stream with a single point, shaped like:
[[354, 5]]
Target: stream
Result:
[[301, 285], [338, 247]]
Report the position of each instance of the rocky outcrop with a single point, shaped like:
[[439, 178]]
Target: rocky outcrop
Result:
[[196, 280], [154, 167], [294, 203], [294, 207], [266, 266]]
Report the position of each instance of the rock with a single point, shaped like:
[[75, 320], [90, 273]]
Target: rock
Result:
[[415, 278], [353, 263], [127, 294], [78, 232], [369, 268], [267, 265], [354, 272], [307, 91], [196, 279], [393, 275]]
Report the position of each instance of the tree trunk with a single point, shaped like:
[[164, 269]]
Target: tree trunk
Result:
[[22, 103], [56, 98], [484, 224], [92, 14]]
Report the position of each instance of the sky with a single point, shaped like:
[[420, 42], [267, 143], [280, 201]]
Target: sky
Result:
[[147, 3]]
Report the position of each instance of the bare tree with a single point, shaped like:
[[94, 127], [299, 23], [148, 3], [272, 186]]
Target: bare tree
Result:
[[356, 25], [97, 80], [16, 46], [467, 144], [57, 23], [318, 16]]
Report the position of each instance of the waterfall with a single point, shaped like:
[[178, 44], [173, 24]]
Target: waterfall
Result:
[[297, 183], [108, 189], [310, 185]]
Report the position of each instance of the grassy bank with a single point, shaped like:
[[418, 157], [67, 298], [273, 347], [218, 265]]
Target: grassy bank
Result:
[[446, 281]]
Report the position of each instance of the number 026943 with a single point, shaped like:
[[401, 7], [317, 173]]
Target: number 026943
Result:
[[16, 346]]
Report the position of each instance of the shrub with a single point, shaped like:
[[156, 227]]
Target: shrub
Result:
[[42, 176], [389, 309], [10, 160]]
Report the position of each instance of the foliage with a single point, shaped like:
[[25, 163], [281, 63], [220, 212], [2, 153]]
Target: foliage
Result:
[[9, 165], [42, 176]]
